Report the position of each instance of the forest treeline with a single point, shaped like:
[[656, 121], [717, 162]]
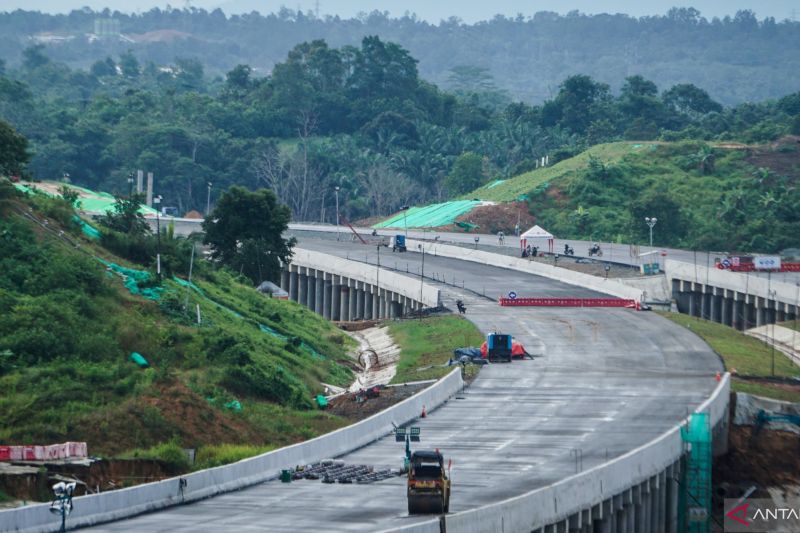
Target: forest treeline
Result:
[[737, 58], [358, 118]]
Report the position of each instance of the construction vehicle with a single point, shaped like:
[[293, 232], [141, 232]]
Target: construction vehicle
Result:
[[428, 483], [399, 243], [497, 347]]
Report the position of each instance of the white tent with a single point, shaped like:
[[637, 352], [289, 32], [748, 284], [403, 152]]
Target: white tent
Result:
[[538, 237]]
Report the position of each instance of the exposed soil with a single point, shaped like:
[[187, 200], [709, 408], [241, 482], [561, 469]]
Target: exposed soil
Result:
[[347, 407], [499, 217], [173, 411], [104, 475], [765, 459], [781, 157]]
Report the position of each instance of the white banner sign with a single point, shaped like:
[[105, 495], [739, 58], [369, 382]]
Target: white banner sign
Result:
[[767, 262]]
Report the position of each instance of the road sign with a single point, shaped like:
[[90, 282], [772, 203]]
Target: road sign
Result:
[[767, 262], [512, 295], [726, 263]]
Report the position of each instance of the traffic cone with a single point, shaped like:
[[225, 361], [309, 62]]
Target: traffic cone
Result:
[[717, 377], [424, 413]]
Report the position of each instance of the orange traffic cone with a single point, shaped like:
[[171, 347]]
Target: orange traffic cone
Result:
[[424, 413], [717, 377]]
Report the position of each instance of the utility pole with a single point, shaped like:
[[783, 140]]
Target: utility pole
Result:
[[336, 190], [157, 202], [208, 199]]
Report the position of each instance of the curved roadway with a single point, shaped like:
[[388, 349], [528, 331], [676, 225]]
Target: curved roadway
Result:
[[603, 382]]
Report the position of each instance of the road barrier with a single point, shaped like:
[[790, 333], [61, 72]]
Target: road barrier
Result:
[[569, 302], [124, 503], [68, 450]]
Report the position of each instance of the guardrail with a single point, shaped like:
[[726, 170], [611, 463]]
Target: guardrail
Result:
[[125, 503], [569, 302], [557, 502]]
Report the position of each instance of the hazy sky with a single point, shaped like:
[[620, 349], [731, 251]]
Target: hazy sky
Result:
[[433, 10]]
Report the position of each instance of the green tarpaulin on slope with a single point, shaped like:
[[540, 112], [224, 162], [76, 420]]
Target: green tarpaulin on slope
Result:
[[429, 216]]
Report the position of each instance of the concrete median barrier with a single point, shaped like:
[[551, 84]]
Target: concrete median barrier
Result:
[[587, 281], [118, 504]]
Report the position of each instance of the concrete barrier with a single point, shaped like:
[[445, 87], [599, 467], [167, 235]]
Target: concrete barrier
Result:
[[403, 285], [557, 502], [606, 286], [124, 503]]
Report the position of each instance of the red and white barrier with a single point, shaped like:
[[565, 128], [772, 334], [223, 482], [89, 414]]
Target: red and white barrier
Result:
[[68, 450], [569, 302]]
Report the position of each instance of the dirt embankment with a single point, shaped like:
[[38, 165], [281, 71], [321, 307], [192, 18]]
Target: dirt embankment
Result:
[[350, 407]]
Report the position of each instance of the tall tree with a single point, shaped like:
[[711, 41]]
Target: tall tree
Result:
[[13, 150], [245, 232]]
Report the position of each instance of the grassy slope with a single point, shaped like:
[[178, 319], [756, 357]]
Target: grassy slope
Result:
[[523, 184], [81, 385], [746, 355], [430, 343]]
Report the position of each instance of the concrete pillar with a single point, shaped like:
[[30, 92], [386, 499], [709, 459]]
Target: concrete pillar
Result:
[[703, 302], [139, 180], [353, 302], [383, 307], [360, 303], [336, 298], [319, 292], [662, 502], [293, 285], [712, 312], [724, 307], [311, 293], [344, 302], [285, 280], [640, 507], [672, 499], [327, 297], [376, 303], [302, 288], [149, 194], [692, 304], [760, 312]]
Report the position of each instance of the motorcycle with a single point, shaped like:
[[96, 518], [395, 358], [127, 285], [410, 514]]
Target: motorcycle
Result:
[[462, 309], [595, 250], [568, 250]]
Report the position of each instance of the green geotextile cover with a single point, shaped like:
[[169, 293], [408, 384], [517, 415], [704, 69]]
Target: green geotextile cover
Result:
[[137, 358], [132, 280], [87, 229], [429, 216], [95, 202]]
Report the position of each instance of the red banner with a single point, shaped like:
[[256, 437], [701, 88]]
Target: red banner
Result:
[[568, 302]]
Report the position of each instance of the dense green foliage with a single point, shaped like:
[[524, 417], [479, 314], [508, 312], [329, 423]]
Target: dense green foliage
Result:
[[68, 328], [737, 58], [359, 118], [13, 150]]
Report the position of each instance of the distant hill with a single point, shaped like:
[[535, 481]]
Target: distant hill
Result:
[[736, 59]]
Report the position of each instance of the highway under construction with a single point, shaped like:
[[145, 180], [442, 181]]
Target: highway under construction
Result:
[[602, 382]]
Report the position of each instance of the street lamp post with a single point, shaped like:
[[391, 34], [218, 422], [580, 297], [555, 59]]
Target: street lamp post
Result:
[[421, 273], [336, 190], [157, 202], [130, 185], [208, 199], [650, 223], [404, 209]]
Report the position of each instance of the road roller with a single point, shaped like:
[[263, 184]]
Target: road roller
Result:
[[428, 483]]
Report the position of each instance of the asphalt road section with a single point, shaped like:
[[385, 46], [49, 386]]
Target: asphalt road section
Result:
[[602, 382]]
